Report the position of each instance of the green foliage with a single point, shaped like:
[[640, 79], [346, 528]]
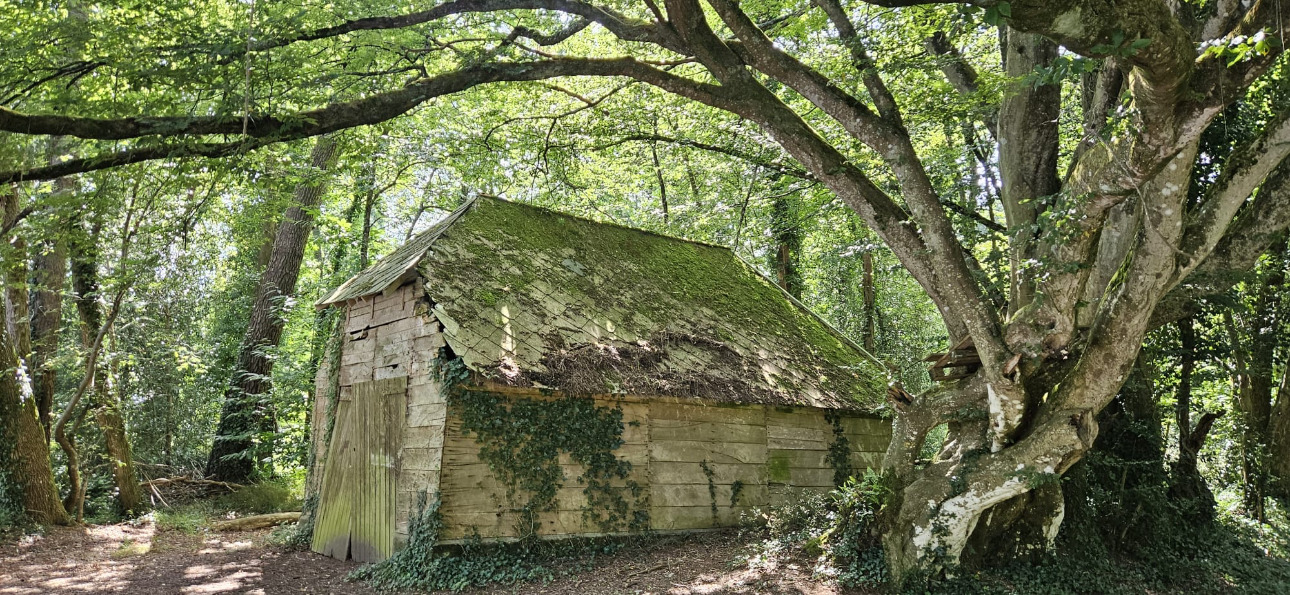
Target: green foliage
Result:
[[12, 514], [299, 535], [839, 456], [189, 518], [836, 528], [1241, 47], [282, 495], [1212, 559], [424, 565]]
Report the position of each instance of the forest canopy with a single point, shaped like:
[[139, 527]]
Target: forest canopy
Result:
[[1084, 204]]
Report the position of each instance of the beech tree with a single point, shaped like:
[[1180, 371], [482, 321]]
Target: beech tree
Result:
[[245, 415], [1100, 251]]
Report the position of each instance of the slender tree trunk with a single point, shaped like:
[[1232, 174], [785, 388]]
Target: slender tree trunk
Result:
[[869, 293], [1186, 486], [48, 276], [787, 232], [246, 411], [1255, 379], [26, 476], [104, 401], [1279, 441]]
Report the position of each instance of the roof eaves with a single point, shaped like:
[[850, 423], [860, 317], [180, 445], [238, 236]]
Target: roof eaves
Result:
[[344, 293]]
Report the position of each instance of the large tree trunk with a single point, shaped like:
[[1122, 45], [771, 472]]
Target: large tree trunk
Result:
[[246, 413], [48, 276], [104, 401], [26, 476]]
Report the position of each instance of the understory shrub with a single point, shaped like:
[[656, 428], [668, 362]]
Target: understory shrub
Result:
[[835, 528], [278, 495]]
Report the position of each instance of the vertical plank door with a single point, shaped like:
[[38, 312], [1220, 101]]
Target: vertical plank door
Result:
[[357, 503]]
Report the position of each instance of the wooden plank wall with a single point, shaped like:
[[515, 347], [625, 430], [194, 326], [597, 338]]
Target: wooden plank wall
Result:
[[474, 499], [773, 452]]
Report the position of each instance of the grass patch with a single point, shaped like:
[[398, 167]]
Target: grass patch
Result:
[[283, 495], [130, 548], [188, 519]]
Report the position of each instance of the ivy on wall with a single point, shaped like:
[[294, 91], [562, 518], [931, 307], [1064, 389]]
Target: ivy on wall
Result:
[[521, 439], [839, 457]]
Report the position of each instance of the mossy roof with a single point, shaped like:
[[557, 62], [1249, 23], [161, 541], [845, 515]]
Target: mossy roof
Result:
[[532, 297]]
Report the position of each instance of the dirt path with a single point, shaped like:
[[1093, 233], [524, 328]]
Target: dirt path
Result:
[[138, 559]]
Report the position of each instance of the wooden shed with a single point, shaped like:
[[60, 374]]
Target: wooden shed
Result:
[[534, 373]]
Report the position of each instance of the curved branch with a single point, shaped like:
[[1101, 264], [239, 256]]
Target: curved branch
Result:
[[337, 116], [1246, 170], [963, 298], [620, 25]]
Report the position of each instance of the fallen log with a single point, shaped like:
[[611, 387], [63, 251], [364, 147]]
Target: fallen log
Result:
[[259, 521]]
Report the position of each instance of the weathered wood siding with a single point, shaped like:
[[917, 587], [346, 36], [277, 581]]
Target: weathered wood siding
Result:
[[391, 336], [771, 453]]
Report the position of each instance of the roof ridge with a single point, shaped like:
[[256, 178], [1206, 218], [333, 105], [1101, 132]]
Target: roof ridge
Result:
[[553, 211]]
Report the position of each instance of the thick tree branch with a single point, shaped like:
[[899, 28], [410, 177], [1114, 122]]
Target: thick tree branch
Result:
[[1255, 229], [860, 60], [1245, 171], [368, 110], [964, 299], [337, 116], [622, 26]]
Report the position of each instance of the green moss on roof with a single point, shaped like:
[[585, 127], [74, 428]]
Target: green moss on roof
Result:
[[533, 297]]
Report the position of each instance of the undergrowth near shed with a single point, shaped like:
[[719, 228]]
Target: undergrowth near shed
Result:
[[1158, 552], [835, 528], [425, 565]]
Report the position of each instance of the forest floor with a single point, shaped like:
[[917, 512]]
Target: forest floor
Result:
[[140, 558]]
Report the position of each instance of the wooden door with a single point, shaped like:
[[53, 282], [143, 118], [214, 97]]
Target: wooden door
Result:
[[356, 504]]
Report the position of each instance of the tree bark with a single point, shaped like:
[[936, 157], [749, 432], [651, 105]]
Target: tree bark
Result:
[[869, 295], [48, 276], [26, 475], [104, 401], [1028, 159], [246, 412]]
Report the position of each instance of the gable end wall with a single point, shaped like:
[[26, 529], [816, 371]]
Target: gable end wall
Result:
[[386, 336]]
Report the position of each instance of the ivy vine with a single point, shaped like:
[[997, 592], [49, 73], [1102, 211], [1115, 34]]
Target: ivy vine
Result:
[[839, 457], [521, 439], [712, 487]]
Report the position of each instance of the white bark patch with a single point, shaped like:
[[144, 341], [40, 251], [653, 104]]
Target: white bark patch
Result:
[[1069, 24], [998, 421], [948, 530], [1006, 410], [1054, 525]]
